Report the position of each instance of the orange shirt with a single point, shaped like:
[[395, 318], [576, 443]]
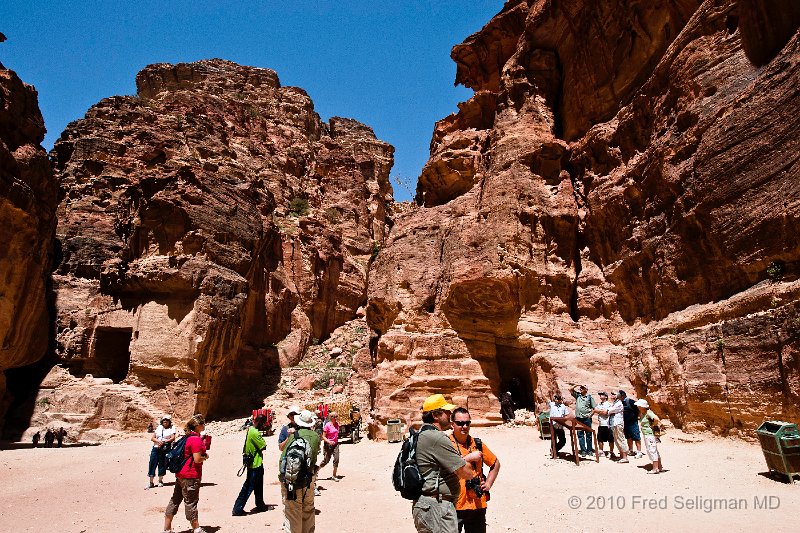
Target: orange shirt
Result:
[[467, 500]]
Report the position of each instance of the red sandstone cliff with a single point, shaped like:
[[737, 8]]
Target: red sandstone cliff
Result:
[[213, 227], [28, 198], [618, 204]]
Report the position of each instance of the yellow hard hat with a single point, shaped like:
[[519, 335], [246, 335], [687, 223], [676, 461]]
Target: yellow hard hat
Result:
[[436, 401]]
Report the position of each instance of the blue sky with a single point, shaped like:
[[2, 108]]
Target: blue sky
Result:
[[385, 64]]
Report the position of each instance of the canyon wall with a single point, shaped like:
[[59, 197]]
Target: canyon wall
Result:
[[618, 204], [212, 228], [28, 199]]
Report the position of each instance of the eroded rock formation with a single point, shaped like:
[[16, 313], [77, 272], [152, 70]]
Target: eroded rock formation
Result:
[[212, 228], [618, 204], [28, 199]]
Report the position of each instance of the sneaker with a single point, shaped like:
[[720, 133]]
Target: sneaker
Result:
[[606, 454], [238, 513], [199, 530], [335, 478], [317, 492], [623, 461], [160, 484], [150, 486], [639, 455]]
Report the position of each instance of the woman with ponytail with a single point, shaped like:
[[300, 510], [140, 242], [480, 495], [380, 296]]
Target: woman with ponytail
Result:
[[187, 485]]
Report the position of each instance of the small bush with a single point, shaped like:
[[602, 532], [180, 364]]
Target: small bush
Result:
[[323, 382], [298, 206], [333, 215], [44, 402], [775, 270], [720, 344], [376, 249]]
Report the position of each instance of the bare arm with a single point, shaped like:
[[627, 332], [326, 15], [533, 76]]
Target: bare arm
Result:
[[468, 471], [199, 457], [491, 476]]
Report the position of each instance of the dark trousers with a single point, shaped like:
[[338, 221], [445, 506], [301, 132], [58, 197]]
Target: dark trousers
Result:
[[584, 438], [158, 458], [472, 520], [254, 482], [561, 438]]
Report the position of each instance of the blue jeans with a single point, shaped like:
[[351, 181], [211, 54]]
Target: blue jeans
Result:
[[254, 482], [157, 458], [585, 438]]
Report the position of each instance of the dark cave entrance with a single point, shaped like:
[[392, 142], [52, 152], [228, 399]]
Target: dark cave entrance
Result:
[[514, 369], [112, 353]]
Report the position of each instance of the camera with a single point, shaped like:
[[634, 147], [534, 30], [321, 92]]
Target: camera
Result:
[[475, 484]]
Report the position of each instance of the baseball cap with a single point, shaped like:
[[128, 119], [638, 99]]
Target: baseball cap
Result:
[[436, 401]]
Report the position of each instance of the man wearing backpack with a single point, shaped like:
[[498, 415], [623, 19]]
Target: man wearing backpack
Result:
[[441, 466], [254, 463], [471, 503], [297, 471]]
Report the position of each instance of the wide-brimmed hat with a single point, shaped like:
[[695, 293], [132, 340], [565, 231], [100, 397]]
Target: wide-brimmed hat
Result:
[[642, 403], [294, 410], [306, 419], [436, 401]]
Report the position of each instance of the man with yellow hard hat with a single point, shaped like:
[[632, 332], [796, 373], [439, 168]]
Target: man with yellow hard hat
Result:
[[441, 466]]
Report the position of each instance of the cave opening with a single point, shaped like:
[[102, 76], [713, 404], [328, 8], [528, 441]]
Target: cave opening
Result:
[[112, 353], [514, 369]]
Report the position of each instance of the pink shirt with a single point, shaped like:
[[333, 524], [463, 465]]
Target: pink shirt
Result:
[[331, 432], [192, 470]]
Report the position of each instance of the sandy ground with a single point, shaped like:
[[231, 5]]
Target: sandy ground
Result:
[[100, 489]]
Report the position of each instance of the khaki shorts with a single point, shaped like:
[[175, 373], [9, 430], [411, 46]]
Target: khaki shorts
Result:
[[434, 516], [651, 443]]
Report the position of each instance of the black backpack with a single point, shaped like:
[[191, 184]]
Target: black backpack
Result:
[[175, 457], [406, 477]]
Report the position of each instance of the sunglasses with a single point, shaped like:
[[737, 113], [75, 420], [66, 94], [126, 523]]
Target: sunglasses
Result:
[[463, 423]]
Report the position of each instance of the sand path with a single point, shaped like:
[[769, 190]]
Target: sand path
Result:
[[100, 489]]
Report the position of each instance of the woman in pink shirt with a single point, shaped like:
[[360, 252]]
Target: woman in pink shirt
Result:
[[187, 485], [330, 434]]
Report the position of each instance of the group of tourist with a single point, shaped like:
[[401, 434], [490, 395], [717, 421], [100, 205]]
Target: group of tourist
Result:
[[51, 437], [299, 443], [619, 423], [458, 470]]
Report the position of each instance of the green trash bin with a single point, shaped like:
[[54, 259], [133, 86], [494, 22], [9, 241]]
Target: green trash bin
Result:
[[780, 442], [543, 421]]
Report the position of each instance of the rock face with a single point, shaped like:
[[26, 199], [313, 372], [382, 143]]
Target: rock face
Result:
[[28, 199], [212, 228], [618, 204]]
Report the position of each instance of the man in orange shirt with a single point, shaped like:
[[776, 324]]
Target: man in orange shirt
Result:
[[471, 504]]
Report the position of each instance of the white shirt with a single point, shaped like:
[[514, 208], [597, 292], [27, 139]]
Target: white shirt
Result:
[[616, 410], [162, 434], [558, 411], [604, 407]]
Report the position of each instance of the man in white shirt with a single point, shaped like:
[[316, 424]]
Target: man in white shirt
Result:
[[558, 409], [618, 426], [162, 439], [604, 433]]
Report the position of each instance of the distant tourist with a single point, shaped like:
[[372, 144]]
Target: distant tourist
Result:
[[618, 426], [60, 434], [162, 440], [289, 428], [330, 436], [35, 439], [507, 407], [604, 433], [297, 480], [631, 418], [187, 483], [558, 409], [441, 467], [254, 482], [648, 419], [49, 437], [471, 502], [584, 408]]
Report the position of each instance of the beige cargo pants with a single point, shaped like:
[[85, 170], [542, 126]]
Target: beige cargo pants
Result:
[[433, 516], [298, 514]]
